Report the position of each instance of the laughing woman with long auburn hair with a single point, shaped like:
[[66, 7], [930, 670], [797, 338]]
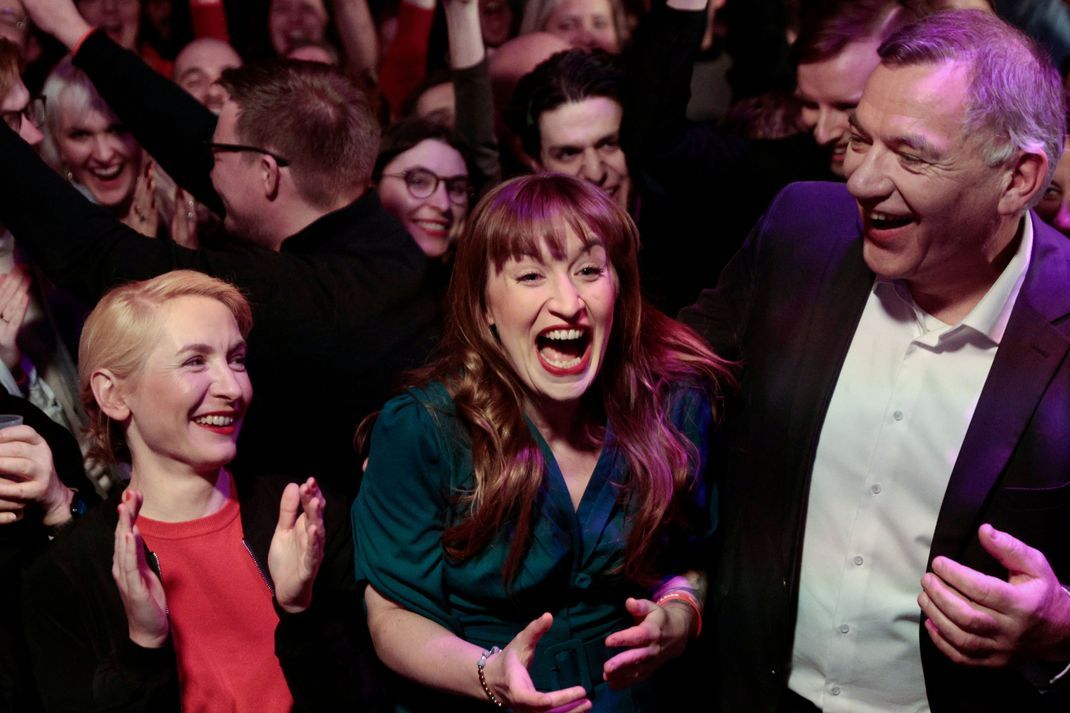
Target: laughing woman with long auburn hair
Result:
[[543, 487]]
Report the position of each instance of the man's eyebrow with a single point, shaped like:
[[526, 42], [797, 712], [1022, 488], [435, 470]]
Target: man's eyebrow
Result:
[[916, 142]]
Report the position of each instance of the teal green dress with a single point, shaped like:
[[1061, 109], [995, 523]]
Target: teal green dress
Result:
[[420, 463]]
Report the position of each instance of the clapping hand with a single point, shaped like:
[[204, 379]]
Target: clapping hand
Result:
[[297, 547], [139, 587]]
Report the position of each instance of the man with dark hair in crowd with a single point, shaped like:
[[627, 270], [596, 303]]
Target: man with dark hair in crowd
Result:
[[336, 285], [894, 535], [567, 113]]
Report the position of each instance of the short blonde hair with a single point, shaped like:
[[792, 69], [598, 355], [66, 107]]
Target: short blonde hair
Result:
[[121, 330]]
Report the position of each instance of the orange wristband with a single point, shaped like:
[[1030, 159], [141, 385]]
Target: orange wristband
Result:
[[81, 40], [687, 598]]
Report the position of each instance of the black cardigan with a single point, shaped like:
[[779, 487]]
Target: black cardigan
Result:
[[84, 660]]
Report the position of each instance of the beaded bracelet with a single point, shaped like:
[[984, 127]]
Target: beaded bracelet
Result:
[[680, 595], [483, 679]]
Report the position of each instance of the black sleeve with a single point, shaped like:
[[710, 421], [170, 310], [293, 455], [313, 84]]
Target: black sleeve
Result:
[[83, 248], [82, 658], [757, 41], [655, 132], [169, 123], [475, 122], [79, 245], [720, 315]]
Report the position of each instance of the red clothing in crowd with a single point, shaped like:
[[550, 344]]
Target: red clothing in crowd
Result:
[[222, 614]]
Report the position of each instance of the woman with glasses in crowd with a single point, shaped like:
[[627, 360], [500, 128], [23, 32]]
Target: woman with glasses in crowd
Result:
[[422, 175], [534, 512]]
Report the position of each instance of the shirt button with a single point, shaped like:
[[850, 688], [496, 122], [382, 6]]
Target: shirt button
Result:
[[858, 560], [898, 415], [835, 690], [582, 580], [876, 489], [844, 628]]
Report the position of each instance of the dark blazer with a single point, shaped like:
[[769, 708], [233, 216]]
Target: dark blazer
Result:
[[788, 305]]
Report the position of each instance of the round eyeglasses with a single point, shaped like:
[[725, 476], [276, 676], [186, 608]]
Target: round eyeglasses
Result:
[[422, 183]]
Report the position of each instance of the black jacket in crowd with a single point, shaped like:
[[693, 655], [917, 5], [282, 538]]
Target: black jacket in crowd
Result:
[[338, 312]]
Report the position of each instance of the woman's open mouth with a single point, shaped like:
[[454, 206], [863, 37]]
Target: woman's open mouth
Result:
[[564, 351]]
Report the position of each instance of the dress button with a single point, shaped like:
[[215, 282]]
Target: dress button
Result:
[[858, 560], [835, 690], [898, 415], [582, 580], [876, 489], [844, 628]]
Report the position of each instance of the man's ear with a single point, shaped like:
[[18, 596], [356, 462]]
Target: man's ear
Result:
[[108, 395], [1028, 174], [270, 175]]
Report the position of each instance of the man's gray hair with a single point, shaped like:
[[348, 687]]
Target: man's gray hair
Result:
[[1015, 92]]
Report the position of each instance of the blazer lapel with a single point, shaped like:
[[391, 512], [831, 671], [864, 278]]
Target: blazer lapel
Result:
[[834, 315], [1028, 356]]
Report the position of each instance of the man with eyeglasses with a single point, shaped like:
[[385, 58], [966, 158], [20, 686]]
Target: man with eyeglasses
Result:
[[338, 287]]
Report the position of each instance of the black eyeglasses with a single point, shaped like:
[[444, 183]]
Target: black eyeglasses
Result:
[[34, 112], [215, 148], [422, 183]]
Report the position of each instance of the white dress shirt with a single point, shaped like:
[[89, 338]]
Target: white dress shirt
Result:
[[896, 422]]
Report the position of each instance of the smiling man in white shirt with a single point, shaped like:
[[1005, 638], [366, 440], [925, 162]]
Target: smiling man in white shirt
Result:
[[904, 402]]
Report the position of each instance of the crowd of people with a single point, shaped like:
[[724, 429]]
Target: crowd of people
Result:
[[608, 355]]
